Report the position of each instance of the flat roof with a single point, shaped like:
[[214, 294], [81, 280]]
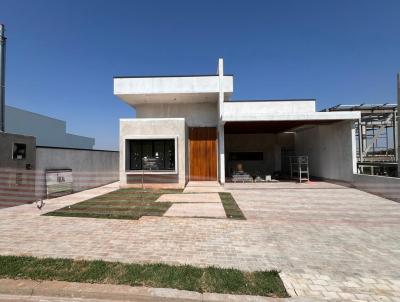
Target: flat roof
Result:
[[171, 89], [69, 148], [171, 76], [272, 100], [360, 107]]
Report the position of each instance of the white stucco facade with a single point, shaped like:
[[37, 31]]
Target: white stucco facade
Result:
[[330, 149], [195, 114], [154, 128], [254, 108], [168, 107]]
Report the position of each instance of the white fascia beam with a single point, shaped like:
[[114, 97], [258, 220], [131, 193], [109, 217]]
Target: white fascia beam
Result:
[[315, 116]]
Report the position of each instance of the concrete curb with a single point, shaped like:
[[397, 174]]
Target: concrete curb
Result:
[[110, 292]]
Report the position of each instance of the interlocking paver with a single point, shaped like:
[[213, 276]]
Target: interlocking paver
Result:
[[310, 232]]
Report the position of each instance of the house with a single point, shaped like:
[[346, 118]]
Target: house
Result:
[[187, 128]]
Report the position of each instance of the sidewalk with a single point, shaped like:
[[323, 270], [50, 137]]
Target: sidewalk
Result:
[[53, 204], [59, 291]]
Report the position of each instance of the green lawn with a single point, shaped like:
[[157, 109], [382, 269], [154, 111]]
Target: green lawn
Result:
[[120, 204], [231, 208], [210, 279], [133, 204]]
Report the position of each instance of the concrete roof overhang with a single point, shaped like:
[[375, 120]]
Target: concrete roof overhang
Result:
[[306, 116], [284, 123], [171, 89]]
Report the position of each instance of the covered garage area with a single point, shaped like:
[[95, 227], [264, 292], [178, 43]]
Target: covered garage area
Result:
[[261, 148]]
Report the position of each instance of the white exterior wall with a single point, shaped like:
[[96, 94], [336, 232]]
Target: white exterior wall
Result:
[[330, 150], [170, 85], [195, 114], [281, 111], [172, 128], [238, 108]]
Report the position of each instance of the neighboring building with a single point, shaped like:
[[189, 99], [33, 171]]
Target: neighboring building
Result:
[[190, 130], [376, 137], [48, 131], [49, 162]]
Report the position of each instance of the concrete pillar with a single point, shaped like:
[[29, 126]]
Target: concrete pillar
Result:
[[360, 141], [221, 134], [353, 146], [221, 87], [221, 148]]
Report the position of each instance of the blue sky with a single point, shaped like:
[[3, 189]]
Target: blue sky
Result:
[[62, 55]]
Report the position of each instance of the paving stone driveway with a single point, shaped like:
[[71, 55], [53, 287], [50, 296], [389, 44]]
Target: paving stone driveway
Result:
[[328, 241]]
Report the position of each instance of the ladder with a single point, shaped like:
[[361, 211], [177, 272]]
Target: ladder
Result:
[[299, 168]]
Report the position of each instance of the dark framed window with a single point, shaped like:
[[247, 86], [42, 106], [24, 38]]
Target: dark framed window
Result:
[[19, 151], [246, 156], [160, 154]]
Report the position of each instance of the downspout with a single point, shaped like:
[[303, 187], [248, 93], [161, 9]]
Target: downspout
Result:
[[2, 76]]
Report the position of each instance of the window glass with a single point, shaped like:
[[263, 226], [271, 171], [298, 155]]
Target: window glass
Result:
[[135, 156], [160, 154], [170, 155], [245, 156], [147, 149]]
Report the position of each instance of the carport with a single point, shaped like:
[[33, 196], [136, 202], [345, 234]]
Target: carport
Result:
[[260, 143]]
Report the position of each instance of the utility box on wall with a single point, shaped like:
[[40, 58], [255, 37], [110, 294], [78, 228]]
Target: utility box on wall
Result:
[[59, 182], [17, 169]]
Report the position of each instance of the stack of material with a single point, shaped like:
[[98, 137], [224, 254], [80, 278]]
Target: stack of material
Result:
[[241, 176]]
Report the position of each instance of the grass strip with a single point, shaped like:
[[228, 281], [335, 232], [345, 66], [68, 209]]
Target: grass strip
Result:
[[130, 203], [184, 277], [231, 208], [133, 204]]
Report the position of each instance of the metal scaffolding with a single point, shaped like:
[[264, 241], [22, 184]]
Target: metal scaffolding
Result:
[[377, 140]]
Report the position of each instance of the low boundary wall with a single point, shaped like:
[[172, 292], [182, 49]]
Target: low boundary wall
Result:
[[388, 187], [90, 168]]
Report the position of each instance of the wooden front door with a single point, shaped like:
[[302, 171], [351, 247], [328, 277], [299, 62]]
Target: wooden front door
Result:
[[203, 153]]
